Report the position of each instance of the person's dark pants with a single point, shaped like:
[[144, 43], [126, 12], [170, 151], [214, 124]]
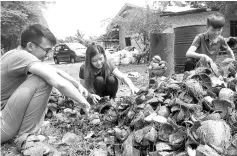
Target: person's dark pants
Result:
[[108, 87], [190, 64]]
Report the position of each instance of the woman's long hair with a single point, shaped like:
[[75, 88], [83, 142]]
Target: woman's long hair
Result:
[[90, 69]]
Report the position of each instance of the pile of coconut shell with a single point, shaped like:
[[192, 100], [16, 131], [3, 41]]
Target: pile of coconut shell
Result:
[[188, 114], [193, 114]]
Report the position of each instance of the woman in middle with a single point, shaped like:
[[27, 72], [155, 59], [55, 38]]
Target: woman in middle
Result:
[[100, 76]]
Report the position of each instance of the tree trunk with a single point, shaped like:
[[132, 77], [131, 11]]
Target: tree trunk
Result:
[[162, 44]]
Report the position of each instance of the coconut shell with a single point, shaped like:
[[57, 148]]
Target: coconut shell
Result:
[[127, 145], [176, 139], [164, 132], [104, 108], [203, 79], [205, 150], [227, 94], [232, 69], [161, 146], [151, 135], [203, 70], [224, 106], [163, 111], [214, 116], [155, 61], [232, 151], [157, 58], [141, 99], [216, 90], [232, 84], [207, 103], [194, 88], [214, 132], [234, 140]]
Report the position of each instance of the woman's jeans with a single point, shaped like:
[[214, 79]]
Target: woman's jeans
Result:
[[25, 110], [108, 87]]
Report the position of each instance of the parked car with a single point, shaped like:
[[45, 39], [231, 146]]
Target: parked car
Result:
[[69, 52]]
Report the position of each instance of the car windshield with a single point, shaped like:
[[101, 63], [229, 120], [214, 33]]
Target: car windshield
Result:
[[75, 46]]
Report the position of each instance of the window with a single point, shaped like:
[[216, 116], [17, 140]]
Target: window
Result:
[[128, 41], [233, 28]]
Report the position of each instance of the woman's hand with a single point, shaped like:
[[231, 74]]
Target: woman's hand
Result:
[[134, 90], [95, 98]]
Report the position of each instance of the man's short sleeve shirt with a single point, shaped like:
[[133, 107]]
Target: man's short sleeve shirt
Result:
[[15, 66]]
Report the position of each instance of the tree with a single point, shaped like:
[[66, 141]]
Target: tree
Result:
[[225, 7], [69, 39], [140, 22], [79, 37], [15, 15]]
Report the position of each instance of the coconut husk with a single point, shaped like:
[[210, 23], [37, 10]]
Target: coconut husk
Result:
[[161, 146], [224, 106], [129, 150], [228, 95], [207, 103], [203, 79], [232, 84], [163, 111], [214, 116], [203, 70], [205, 150], [217, 89], [234, 140], [194, 88], [151, 135], [202, 63], [216, 81], [232, 151], [164, 132], [177, 139], [192, 107], [215, 133]]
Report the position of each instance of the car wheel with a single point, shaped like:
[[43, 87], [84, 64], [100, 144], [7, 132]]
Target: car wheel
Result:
[[56, 61], [72, 60]]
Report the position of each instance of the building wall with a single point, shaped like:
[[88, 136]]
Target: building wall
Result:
[[179, 21], [122, 37], [137, 44], [226, 31]]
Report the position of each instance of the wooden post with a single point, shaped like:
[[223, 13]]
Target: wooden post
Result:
[[162, 44]]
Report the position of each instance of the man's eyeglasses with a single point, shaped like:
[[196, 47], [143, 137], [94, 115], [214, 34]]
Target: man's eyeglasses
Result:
[[47, 50]]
